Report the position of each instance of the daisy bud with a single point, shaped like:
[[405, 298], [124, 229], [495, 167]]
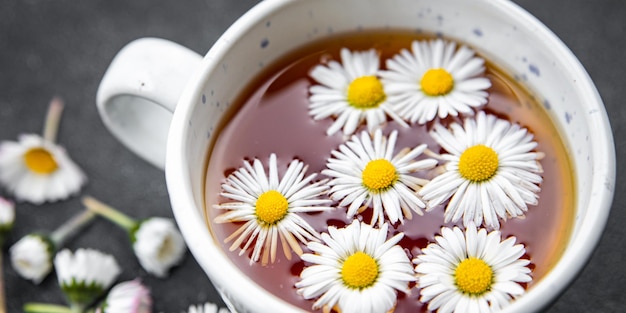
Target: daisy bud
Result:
[[85, 275], [7, 217], [156, 241], [35, 169], [31, 256], [158, 245], [127, 297]]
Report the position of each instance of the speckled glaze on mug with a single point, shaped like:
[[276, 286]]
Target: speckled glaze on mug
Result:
[[499, 29]]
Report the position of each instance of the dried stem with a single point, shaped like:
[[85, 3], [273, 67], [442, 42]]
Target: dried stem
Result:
[[3, 303], [53, 119], [71, 226], [109, 213]]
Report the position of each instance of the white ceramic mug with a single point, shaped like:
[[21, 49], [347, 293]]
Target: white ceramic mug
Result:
[[151, 79]]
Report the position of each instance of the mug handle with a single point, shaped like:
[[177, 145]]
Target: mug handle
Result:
[[139, 91]]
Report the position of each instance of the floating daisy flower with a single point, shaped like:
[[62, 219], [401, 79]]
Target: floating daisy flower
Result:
[[269, 207], [127, 297], [351, 92], [35, 169], [491, 171], [85, 275], [32, 255], [356, 270], [207, 308], [156, 241], [435, 79], [471, 272], [366, 173]]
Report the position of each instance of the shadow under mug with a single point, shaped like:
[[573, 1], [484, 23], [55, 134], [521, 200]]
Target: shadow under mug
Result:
[[159, 99]]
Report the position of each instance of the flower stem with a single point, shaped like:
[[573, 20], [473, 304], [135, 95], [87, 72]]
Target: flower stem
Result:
[[77, 308], [53, 118], [109, 213], [45, 308], [71, 226], [3, 304]]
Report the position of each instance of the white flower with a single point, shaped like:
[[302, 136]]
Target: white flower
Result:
[[158, 245], [7, 213], [356, 270], [471, 272], [435, 79], [366, 173], [351, 92], [491, 171], [156, 241], [36, 170], [269, 207], [207, 308], [31, 257], [127, 297], [7, 218], [85, 275]]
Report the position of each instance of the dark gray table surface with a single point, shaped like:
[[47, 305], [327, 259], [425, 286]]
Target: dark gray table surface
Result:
[[62, 48]]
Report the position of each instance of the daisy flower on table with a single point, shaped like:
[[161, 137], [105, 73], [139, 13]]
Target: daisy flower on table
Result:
[[355, 269], [491, 171], [471, 271], [127, 297], [85, 275], [157, 243], [7, 218], [366, 173], [269, 206], [351, 92], [207, 307], [37, 170], [435, 79], [32, 255]]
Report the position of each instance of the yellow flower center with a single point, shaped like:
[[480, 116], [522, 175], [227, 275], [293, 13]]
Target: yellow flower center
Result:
[[379, 175], [365, 92], [437, 82], [271, 207], [478, 163], [359, 271], [40, 161], [473, 276]]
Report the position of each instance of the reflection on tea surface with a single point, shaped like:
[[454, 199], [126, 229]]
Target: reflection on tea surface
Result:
[[273, 117]]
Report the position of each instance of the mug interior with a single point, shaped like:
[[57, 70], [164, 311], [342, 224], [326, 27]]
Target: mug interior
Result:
[[498, 29]]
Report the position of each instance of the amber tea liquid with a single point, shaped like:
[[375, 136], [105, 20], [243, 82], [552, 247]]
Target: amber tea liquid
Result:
[[271, 116]]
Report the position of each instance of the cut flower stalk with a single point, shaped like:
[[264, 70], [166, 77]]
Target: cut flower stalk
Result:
[[7, 218], [110, 213], [34, 307]]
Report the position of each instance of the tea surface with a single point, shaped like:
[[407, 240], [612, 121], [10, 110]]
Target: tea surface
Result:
[[272, 117]]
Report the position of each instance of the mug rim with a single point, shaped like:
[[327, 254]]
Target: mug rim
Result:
[[213, 260], [185, 209]]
